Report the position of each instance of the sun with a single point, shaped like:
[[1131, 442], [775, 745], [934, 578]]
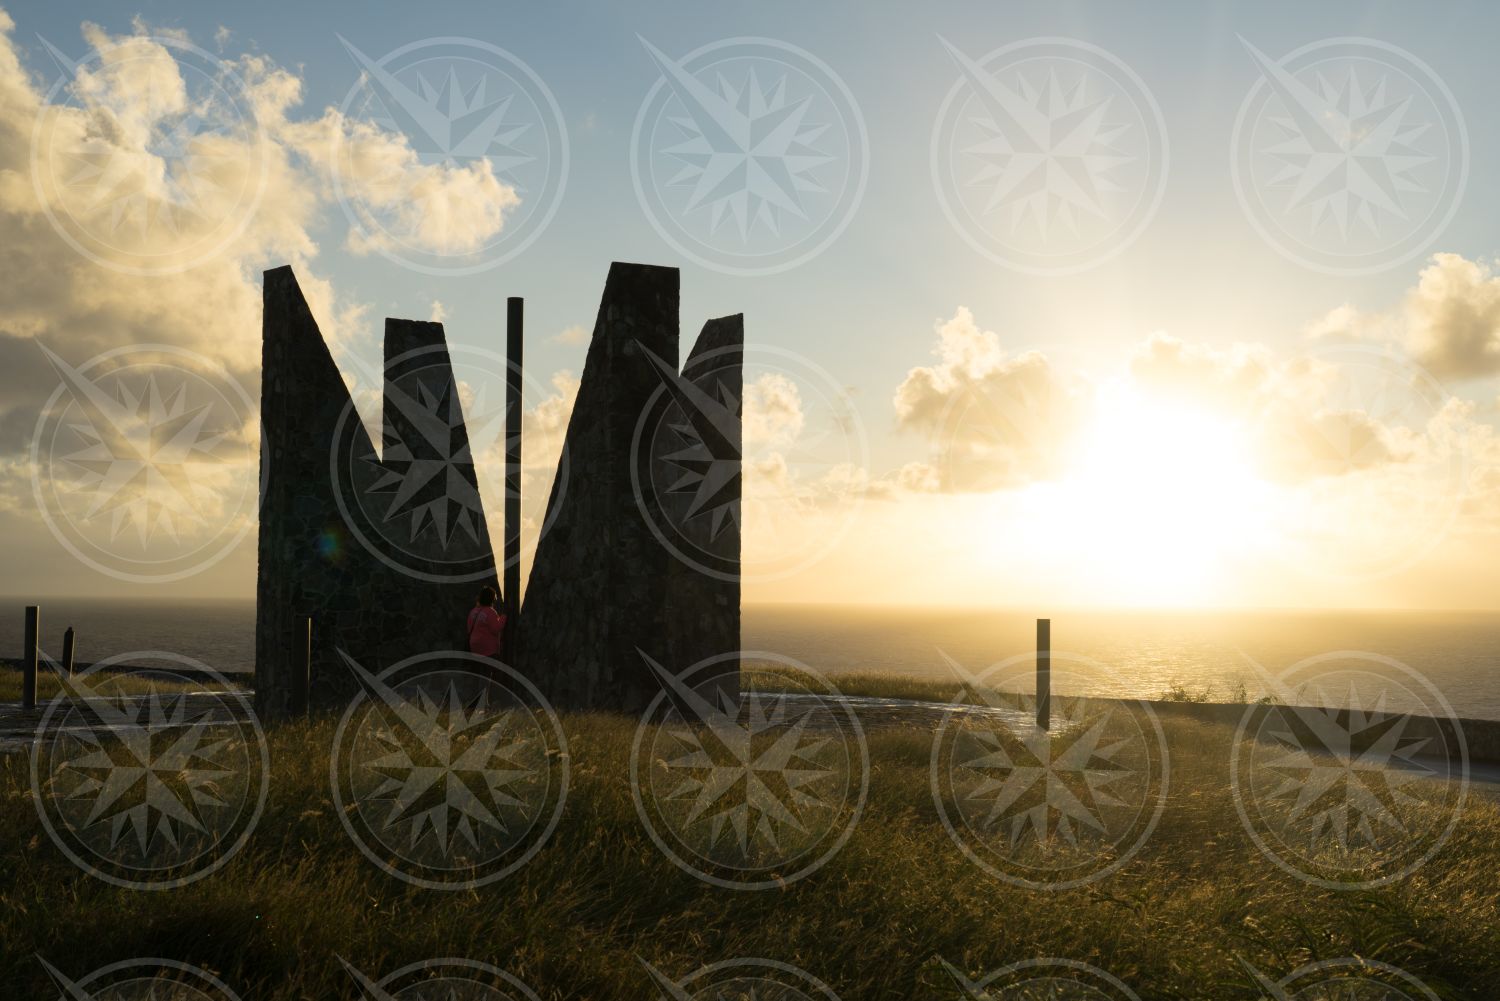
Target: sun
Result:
[[1159, 501]]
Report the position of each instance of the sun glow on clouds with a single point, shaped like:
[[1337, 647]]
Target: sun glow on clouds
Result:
[[1332, 470], [1158, 499]]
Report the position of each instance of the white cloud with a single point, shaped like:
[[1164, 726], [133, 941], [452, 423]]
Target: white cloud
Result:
[[1453, 318], [400, 201], [999, 421], [992, 419], [772, 413], [1306, 415], [207, 208], [1449, 321]]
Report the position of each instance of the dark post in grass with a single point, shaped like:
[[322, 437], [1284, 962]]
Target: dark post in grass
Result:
[[28, 657], [300, 689], [69, 646], [1044, 673], [514, 325]]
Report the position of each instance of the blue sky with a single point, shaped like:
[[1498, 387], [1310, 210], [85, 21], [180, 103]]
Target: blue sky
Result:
[[868, 307]]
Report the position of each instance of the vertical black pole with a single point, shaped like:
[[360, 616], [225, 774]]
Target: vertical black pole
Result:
[[28, 657], [300, 690], [1044, 673], [514, 326], [69, 645]]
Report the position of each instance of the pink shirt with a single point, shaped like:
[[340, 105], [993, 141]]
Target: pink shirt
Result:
[[485, 627]]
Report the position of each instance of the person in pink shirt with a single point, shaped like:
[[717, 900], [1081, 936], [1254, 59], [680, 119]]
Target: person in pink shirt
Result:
[[486, 625]]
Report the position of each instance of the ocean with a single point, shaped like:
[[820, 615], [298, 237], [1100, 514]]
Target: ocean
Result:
[[1129, 653]]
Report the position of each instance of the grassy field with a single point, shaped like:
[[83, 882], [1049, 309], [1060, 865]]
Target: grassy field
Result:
[[48, 685], [1174, 923]]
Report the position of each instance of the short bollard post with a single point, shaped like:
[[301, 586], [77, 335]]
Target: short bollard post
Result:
[[299, 691], [1044, 673], [28, 656], [69, 647]]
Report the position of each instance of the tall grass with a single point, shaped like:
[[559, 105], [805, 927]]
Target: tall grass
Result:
[[48, 685], [1174, 923]]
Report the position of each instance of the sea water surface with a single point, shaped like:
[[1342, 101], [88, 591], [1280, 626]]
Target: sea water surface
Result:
[[1142, 653]]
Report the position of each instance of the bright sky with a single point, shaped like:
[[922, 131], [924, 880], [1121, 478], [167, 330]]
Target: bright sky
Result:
[[1048, 304]]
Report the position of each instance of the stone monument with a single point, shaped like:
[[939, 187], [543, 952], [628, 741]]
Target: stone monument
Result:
[[385, 549]]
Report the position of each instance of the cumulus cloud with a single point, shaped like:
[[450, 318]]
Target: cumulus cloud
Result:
[[993, 419], [1237, 378], [1449, 321], [401, 201], [1297, 446], [999, 421], [546, 424], [576, 334], [1347, 323], [141, 225], [903, 482], [1306, 415], [1453, 318], [772, 412], [143, 194], [123, 227]]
